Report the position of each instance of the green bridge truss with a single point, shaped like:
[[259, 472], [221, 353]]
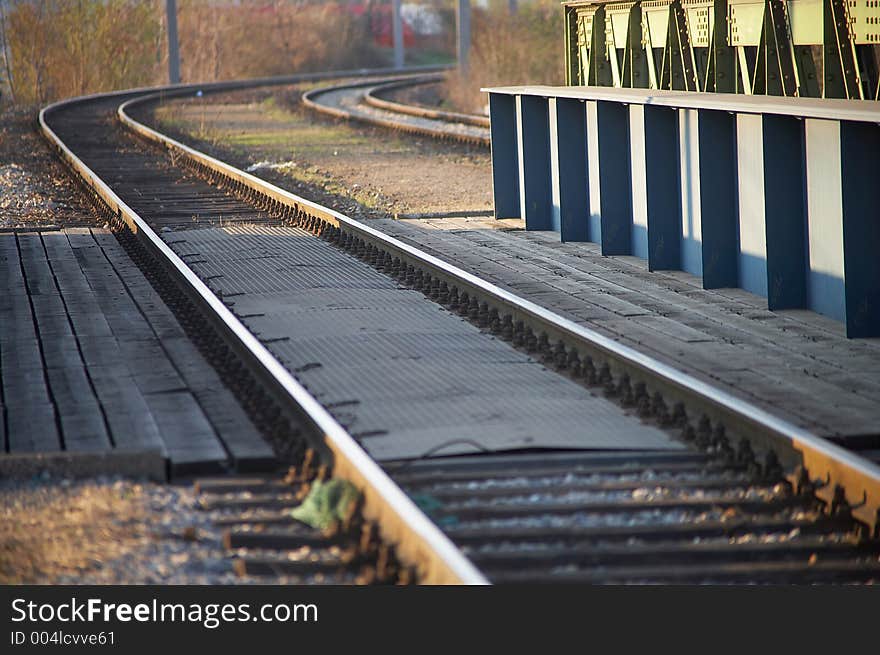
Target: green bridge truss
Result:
[[805, 48]]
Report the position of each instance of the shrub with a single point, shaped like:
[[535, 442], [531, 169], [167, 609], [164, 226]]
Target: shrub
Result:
[[269, 38], [525, 47], [61, 48]]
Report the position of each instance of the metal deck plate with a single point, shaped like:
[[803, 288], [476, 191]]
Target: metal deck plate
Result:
[[404, 375]]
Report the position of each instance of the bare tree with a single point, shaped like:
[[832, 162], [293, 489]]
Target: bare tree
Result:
[[4, 51]]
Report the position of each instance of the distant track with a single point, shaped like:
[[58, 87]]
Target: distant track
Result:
[[360, 101]]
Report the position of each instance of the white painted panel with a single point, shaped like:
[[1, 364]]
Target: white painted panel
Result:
[[555, 197], [825, 279], [656, 23], [691, 227], [519, 157], [593, 164], [639, 181], [752, 225], [806, 21]]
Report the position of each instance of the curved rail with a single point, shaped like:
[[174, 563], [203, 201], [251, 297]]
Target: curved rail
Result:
[[371, 97], [839, 475], [439, 125], [418, 541]]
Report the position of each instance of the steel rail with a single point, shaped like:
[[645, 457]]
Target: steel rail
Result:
[[837, 474], [371, 97], [417, 540], [309, 99]]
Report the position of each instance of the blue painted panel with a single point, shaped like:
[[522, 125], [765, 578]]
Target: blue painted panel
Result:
[[639, 239], [505, 166], [570, 183], [827, 295], [663, 188], [615, 185], [533, 131], [718, 198], [859, 147], [785, 212]]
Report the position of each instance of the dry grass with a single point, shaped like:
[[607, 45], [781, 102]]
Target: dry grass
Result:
[[59, 48], [270, 38], [52, 532], [62, 48]]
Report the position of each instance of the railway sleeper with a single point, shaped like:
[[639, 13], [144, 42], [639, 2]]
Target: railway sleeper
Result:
[[655, 403]]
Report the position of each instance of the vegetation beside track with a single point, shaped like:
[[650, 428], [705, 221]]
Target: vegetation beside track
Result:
[[359, 170]]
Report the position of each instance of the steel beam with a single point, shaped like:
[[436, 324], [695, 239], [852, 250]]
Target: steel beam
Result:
[[533, 141], [568, 169], [859, 147], [615, 186], [662, 188], [718, 198], [505, 160], [784, 211]]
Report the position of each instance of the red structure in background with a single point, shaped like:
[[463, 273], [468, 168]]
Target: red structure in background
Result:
[[379, 17]]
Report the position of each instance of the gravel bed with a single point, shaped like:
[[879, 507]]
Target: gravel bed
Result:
[[35, 190], [107, 531]]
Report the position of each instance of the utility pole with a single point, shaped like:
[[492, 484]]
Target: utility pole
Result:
[[397, 33], [173, 48], [463, 29]]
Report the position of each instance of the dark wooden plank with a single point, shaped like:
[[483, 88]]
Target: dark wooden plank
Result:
[[20, 355], [241, 438], [82, 423], [190, 441], [32, 428], [131, 421], [37, 273]]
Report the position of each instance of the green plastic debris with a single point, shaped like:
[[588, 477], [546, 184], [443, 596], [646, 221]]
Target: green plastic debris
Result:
[[431, 506], [327, 502], [427, 503]]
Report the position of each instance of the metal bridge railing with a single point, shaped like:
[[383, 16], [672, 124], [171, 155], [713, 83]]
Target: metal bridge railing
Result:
[[803, 48], [779, 196]]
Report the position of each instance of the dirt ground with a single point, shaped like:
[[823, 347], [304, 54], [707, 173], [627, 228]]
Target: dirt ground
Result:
[[364, 171]]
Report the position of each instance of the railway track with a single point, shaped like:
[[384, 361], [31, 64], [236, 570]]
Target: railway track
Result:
[[709, 489], [362, 101]]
